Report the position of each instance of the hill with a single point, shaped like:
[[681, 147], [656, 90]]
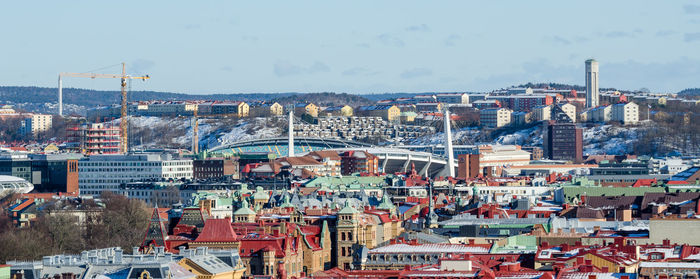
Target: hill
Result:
[[690, 92], [325, 99], [91, 98]]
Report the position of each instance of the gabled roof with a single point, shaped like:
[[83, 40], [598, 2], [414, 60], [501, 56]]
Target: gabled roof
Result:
[[217, 230]]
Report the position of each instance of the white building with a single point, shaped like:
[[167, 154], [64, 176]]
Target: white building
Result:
[[453, 98], [36, 123], [627, 113], [542, 113], [667, 165], [598, 114], [570, 110], [495, 117], [591, 83], [503, 155], [99, 173]]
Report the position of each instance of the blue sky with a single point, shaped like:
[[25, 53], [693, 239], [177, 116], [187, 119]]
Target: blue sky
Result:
[[352, 46]]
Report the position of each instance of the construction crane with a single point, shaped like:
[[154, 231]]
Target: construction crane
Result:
[[123, 124]]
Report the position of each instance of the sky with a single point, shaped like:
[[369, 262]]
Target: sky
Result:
[[204, 47]]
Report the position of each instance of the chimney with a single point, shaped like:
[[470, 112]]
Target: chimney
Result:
[[592, 276], [471, 241], [604, 269], [118, 254], [579, 260]]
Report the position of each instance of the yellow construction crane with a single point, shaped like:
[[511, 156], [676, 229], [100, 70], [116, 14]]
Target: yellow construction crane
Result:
[[123, 124]]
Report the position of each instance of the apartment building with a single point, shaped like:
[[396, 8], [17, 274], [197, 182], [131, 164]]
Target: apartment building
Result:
[[495, 117], [627, 113], [35, 124]]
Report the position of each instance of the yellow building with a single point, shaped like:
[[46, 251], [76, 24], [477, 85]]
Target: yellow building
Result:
[[345, 110], [208, 267], [388, 112], [276, 109], [244, 214], [355, 228], [305, 108]]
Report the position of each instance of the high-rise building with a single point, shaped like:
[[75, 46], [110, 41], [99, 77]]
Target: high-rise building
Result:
[[562, 140], [591, 83]]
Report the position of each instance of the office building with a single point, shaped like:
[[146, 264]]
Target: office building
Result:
[[55, 172], [106, 172], [591, 83], [16, 164], [216, 168]]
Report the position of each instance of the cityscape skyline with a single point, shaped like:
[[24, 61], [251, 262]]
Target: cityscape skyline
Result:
[[249, 47]]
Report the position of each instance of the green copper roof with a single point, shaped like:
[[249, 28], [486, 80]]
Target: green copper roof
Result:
[[286, 203], [572, 192], [348, 209], [260, 194], [244, 210], [386, 204], [350, 182]]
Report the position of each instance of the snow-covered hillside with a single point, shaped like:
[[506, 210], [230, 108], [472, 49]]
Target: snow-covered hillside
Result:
[[157, 132], [609, 139]]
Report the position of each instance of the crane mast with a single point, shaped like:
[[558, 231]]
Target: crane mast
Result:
[[123, 123]]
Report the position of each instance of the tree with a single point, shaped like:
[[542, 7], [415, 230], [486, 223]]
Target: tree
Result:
[[122, 222]]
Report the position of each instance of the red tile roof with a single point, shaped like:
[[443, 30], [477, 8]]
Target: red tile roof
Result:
[[217, 230]]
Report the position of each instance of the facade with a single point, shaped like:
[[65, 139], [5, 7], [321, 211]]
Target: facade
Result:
[[215, 168], [35, 124], [16, 164], [239, 109], [55, 172], [343, 110], [387, 112], [542, 113], [303, 108], [570, 110], [599, 114], [106, 172], [453, 98], [266, 109], [592, 93], [359, 162], [468, 165], [523, 102], [495, 118], [562, 141], [330, 159], [95, 138], [626, 113]]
